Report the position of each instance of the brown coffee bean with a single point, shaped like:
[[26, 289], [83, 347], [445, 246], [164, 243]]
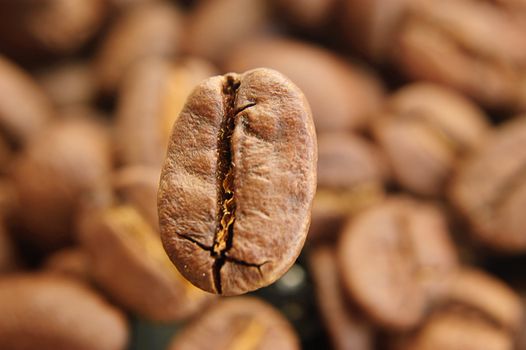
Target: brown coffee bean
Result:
[[127, 260], [351, 177], [208, 34], [342, 96], [306, 14], [150, 29], [347, 329], [137, 185], [66, 164], [395, 259], [490, 189], [486, 295], [7, 251], [150, 99], [370, 26], [32, 28], [24, 107], [235, 324], [50, 312], [424, 130], [475, 47], [237, 185], [70, 262], [71, 83], [457, 331]]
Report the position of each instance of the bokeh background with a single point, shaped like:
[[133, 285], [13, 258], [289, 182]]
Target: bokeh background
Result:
[[418, 233]]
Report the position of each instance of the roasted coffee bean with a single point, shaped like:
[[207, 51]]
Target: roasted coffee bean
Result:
[[451, 330], [24, 107], [238, 323], [424, 130], [482, 293], [409, 257], [214, 27], [347, 328], [371, 26], [50, 313], [342, 96], [490, 189], [306, 14], [137, 186], [127, 260], [475, 47], [351, 177], [68, 163], [33, 28], [149, 29], [7, 251], [70, 262], [150, 99], [236, 189], [71, 83]]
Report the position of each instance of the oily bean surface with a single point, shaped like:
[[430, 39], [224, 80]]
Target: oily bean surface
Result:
[[237, 185]]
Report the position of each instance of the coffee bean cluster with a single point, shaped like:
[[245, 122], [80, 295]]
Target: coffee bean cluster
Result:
[[358, 167]]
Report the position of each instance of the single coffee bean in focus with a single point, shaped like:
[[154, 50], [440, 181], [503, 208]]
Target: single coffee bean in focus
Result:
[[237, 186]]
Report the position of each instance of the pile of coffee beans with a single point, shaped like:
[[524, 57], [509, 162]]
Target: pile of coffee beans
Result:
[[356, 167]]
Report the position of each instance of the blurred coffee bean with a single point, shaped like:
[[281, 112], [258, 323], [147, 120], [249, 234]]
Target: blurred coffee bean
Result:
[[351, 177], [370, 25], [395, 259], [70, 83], [30, 29], [50, 312], [477, 47], [71, 262], [424, 129], [138, 185], [150, 100], [66, 164], [238, 323], [489, 189], [450, 330], [313, 14], [150, 29], [347, 329], [215, 27], [8, 260], [128, 261], [24, 107], [342, 96], [486, 295]]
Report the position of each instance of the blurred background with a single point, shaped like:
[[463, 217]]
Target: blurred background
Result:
[[418, 232]]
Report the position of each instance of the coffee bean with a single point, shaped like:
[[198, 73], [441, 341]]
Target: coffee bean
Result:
[[343, 96], [490, 189], [386, 256], [71, 262], [50, 312], [346, 327], [238, 323], [351, 177], [489, 297], [149, 29], [24, 107], [237, 185], [150, 99], [127, 260], [457, 331], [7, 251], [425, 129], [310, 15], [65, 165]]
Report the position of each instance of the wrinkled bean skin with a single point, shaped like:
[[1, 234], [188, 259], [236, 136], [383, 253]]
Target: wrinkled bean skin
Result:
[[271, 156]]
